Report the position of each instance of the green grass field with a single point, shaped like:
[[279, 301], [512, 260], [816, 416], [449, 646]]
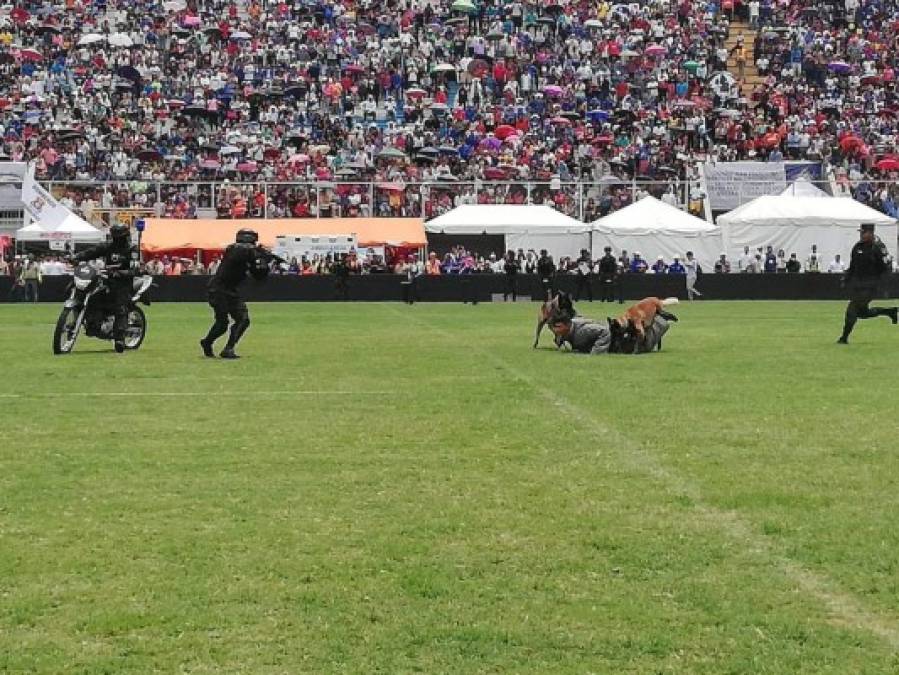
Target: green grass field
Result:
[[383, 488]]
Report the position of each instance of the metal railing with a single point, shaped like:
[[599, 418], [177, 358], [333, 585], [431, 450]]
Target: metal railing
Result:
[[102, 202]]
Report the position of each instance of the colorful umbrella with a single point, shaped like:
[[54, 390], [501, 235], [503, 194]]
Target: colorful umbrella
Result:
[[503, 131], [655, 50], [552, 90], [464, 6], [888, 164], [391, 153], [840, 67], [30, 55]]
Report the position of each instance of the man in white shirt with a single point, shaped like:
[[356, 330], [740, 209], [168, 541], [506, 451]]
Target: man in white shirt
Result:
[[837, 266], [813, 264], [692, 266], [746, 261]]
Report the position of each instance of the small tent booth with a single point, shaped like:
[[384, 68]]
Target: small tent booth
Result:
[[803, 187], [795, 223], [71, 232], [654, 228], [496, 228], [209, 237]]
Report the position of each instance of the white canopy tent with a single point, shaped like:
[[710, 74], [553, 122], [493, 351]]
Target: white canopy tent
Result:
[[524, 226], [654, 228], [795, 223], [803, 187], [72, 228]]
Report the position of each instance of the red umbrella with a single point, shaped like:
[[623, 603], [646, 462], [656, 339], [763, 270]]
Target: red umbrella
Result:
[[850, 143], [561, 122], [30, 55], [494, 173], [247, 167], [19, 15], [888, 164], [503, 131]]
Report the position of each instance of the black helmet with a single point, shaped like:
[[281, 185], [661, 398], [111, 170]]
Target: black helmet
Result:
[[119, 231], [246, 236]]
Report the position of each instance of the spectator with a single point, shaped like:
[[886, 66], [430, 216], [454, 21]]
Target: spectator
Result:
[[638, 265], [676, 267], [432, 267], [511, 267], [659, 266], [747, 261], [793, 264], [722, 265], [813, 264], [31, 278], [837, 266]]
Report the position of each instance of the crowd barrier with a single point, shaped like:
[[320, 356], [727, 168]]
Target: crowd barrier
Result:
[[485, 287]]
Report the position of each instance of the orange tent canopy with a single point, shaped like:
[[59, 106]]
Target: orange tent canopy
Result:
[[163, 234]]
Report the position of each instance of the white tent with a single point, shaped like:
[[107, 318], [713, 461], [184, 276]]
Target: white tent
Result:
[[795, 223], [524, 226], [803, 187], [654, 228], [72, 228]]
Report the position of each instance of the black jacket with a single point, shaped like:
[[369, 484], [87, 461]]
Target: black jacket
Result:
[[546, 267], [120, 258], [868, 262], [239, 261]]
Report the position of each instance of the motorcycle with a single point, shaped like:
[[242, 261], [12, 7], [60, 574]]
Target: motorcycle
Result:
[[88, 307]]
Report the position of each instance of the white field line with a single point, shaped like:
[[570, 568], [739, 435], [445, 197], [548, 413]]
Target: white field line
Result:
[[845, 609], [238, 394]]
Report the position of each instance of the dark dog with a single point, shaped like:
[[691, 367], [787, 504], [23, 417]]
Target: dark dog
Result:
[[627, 340], [558, 309]]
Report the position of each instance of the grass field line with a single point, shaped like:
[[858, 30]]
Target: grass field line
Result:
[[242, 394], [845, 609]]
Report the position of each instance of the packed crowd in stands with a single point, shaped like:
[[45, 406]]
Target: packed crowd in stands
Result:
[[410, 91]]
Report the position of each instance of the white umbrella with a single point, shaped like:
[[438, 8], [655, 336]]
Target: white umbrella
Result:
[[240, 35], [174, 5], [120, 40], [229, 150], [91, 38]]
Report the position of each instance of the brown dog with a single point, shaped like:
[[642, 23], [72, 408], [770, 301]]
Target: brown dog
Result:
[[641, 315], [557, 309]]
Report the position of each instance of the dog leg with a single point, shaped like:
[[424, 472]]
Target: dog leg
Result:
[[540, 324]]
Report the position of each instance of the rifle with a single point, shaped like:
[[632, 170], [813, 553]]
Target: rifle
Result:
[[269, 256]]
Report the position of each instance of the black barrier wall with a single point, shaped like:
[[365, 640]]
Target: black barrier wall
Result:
[[482, 287]]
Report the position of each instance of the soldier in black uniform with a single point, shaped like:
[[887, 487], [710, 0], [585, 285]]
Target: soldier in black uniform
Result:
[[608, 276], [121, 261], [341, 275], [584, 276], [241, 258], [869, 262], [546, 270]]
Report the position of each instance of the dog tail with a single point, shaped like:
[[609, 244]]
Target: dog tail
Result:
[[669, 301]]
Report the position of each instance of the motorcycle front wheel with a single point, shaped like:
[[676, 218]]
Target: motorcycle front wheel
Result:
[[66, 331], [137, 328]]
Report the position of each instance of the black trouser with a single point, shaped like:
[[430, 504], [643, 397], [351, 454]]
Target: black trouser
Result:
[[409, 291], [119, 299], [860, 296], [546, 285], [583, 284], [227, 303], [341, 288], [469, 294], [607, 287], [511, 287]]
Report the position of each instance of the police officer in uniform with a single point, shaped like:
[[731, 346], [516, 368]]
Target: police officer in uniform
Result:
[[546, 270], [241, 258], [869, 262], [121, 261], [586, 336], [608, 276]]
